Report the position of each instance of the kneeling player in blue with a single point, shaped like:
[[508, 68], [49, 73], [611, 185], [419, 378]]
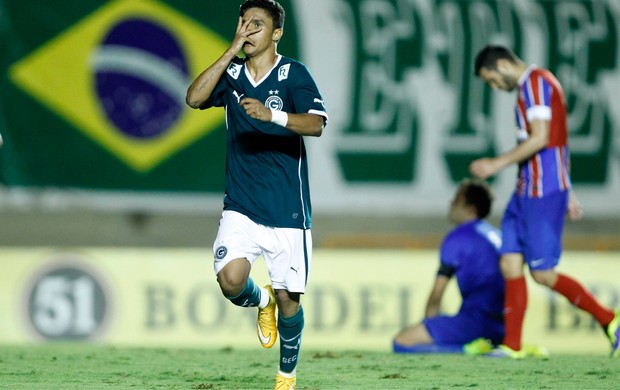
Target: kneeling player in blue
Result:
[[470, 252], [271, 102]]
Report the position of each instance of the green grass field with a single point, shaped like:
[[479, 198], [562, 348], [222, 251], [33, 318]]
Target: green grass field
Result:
[[87, 366]]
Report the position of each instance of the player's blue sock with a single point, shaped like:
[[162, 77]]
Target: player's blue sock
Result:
[[290, 330], [249, 296], [428, 348]]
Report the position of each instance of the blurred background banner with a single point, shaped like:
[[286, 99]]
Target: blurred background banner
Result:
[[169, 297], [408, 115], [92, 96]]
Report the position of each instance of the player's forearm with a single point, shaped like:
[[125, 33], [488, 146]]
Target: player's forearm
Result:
[[523, 151], [538, 140], [432, 309], [202, 87], [433, 304], [306, 124]]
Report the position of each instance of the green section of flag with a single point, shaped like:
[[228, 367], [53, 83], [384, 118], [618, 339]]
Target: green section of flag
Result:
[[60, 75], [55, 129]]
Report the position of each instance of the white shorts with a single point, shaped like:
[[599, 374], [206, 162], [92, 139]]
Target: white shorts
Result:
[[287, 251]]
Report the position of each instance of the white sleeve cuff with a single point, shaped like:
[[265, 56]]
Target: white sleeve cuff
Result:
[[538, 113]]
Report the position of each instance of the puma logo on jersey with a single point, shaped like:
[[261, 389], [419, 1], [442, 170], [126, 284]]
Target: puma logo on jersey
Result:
[[237, 96]]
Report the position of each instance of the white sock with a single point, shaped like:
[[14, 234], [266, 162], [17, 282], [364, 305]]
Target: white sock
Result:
[[264, 298], [287, 374]]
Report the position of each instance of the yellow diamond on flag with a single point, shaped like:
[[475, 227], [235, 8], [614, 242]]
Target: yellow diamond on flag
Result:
[[120, 76]]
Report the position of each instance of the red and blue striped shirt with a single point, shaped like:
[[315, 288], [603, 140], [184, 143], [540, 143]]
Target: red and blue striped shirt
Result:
[[541, 98]]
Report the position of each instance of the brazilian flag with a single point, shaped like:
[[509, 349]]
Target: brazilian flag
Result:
[[93, 93]]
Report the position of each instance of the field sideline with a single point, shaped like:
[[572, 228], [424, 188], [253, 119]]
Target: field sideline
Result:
[[88, 366]]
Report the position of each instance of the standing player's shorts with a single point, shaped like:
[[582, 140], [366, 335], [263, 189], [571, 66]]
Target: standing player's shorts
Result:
[[465, 327], [533, 227], [287, 251]]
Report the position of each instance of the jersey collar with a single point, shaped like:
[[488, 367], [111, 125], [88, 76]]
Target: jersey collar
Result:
[[526, 74], [257, 83]]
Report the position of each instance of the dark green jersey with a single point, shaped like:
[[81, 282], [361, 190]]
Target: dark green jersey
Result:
[[266, 164]]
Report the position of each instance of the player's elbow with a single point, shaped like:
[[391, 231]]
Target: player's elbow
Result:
[[194, 98], [542, 141], [192, 101], [317, 129]]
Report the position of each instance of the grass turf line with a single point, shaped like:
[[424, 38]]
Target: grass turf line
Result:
[[88, 366]]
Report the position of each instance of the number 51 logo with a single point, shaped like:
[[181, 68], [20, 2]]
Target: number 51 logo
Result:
[[67, 300]]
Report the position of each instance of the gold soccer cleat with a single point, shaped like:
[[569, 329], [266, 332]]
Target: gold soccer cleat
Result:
[[266, 326], [285, 381]]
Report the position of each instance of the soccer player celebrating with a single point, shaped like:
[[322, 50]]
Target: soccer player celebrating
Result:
[[271, 102], [470, 251], [534, 218]]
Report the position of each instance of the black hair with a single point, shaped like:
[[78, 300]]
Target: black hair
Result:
[[273, 8], [490, 54], [478, 193]]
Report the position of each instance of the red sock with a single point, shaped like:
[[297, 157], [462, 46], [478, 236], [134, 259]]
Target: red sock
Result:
[[577, 294], [515, 303]]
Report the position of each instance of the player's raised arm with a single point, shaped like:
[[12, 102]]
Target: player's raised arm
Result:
[[202, 87]]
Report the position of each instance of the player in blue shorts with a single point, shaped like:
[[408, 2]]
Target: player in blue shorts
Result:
[[470, 252], [271, 102], [534, 219]]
